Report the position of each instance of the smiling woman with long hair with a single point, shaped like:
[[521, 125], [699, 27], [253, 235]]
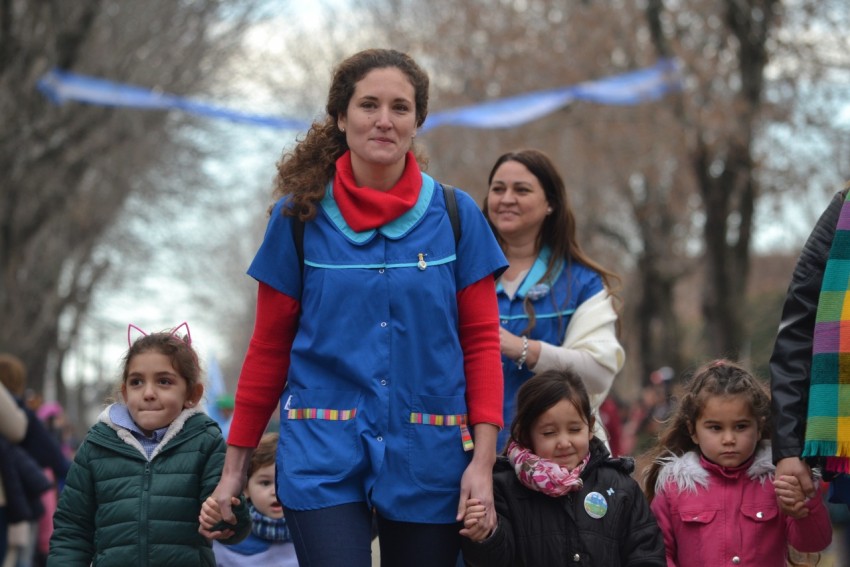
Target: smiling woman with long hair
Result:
[[556, 304]]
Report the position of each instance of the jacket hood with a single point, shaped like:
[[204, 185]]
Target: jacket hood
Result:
[[127, 436], [687, 472]]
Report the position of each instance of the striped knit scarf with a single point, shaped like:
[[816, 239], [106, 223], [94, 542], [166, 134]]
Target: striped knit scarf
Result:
[[271, 529], [828, 426]]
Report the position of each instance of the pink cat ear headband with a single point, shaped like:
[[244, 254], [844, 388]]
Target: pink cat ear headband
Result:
[[188, 337]]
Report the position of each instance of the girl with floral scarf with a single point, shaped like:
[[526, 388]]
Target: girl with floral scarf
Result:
[[560, 497]]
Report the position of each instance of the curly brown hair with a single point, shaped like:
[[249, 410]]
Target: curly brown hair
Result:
[[717, 378], [304, 172]]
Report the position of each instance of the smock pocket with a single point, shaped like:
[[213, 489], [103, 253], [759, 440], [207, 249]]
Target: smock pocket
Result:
[[320, 433], [439, 442]]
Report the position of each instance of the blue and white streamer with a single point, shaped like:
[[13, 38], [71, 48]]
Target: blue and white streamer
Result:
[[63, 86], [635, 87], [632, 88]]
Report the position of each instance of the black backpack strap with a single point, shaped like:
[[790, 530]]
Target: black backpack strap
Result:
[[298, 237], [451, 208]]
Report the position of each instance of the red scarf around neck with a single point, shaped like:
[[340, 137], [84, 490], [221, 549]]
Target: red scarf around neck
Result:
[[365, 208]]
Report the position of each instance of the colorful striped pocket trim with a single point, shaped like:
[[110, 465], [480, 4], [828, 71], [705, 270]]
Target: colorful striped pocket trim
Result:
[[438, 419], [451, 420], [319, 413]]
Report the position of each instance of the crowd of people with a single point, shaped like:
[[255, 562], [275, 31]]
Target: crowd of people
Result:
[[34, 461], [442, 372]]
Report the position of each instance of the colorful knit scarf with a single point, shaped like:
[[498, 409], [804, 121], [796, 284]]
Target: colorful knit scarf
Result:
[[543, 475], [828, 426]]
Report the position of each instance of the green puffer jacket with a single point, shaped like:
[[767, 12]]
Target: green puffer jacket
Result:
[[120, 509]]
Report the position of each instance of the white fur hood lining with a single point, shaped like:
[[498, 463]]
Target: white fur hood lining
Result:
[[686, 472], [127, 436]]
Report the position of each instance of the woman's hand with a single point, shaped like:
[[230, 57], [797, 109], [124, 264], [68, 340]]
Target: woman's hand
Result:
[[789, 494], [211, 518], [477, 480], [802, 481], [511, 345], [234, 475]]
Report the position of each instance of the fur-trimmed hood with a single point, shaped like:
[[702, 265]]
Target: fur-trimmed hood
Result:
[[127, 436], [687, 472]]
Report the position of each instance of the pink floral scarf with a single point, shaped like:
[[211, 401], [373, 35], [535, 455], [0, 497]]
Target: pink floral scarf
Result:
[[543, 475]]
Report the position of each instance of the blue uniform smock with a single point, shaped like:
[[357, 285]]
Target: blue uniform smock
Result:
[[554, 303], [374, 407]]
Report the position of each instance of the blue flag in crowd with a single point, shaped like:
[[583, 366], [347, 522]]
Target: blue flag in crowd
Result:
[[218, 400], [635, 87]]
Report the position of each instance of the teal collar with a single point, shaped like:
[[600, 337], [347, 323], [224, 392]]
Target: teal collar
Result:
[[535, 274], [394, 229]]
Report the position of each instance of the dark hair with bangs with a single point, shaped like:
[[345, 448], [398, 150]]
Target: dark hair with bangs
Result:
[[541, 392]]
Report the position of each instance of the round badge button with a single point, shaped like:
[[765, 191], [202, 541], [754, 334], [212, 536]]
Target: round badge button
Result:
[[595, 505]]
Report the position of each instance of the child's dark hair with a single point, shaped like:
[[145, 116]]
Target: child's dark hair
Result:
[[540, 393], [717, 378], [265, 453], [179, 349]]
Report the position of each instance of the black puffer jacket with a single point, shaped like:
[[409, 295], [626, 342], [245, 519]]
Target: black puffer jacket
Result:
[[791, 361], [535, 529]]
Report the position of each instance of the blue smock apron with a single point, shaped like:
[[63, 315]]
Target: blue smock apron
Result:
[[554, 305], [374, 408]]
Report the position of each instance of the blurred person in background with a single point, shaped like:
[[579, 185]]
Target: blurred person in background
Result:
[[13, 428], [45, 451]]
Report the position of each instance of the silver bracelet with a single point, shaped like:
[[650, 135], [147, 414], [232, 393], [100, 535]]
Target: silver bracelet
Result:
[[521, 360]]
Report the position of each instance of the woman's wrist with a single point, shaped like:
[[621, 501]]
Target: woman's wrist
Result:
[[523, 355]]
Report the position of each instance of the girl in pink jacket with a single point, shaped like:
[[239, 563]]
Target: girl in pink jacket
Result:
[[711, 483]]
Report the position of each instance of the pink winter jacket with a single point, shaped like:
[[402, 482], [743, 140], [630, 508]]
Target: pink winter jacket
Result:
[[714, 516]]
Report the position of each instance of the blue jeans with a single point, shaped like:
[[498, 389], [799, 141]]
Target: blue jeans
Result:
[[340, 536]]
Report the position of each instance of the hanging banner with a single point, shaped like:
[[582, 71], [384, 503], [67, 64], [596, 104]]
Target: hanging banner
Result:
[[62, 86], [632, 88], [636, 87]]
